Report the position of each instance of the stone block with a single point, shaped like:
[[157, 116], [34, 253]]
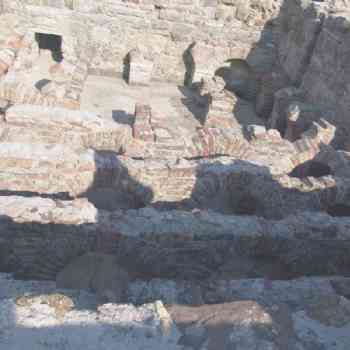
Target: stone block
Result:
[[140, 69]]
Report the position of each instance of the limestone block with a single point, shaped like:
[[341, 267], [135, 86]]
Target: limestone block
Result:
[[140, 70]]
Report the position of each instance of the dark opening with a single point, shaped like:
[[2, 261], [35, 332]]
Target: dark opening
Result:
[[190, 65], [311, 168], [247, 205], [52, 43], [339, 210], [41, 83], [126, 67]]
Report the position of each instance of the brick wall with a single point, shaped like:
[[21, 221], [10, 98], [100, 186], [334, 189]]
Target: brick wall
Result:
[[165, 29]]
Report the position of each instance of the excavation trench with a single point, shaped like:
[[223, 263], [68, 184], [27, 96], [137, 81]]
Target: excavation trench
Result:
[[200, 243], [40, 252]]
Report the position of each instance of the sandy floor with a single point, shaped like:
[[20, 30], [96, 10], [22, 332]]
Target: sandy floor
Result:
[[114, 98], [108, 96]]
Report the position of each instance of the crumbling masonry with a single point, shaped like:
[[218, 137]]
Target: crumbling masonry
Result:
[[200, 147]]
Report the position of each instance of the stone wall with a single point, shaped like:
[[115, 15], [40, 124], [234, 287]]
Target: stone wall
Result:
[[41, 235], [313, 50], [96, 153], [162, 29]]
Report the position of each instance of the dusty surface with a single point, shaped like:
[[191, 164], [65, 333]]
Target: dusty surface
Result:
[[104, 94], [298, 315], [52, 321]]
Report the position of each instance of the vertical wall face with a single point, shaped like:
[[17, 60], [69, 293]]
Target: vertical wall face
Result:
[[162, 29], [327, 79], [300, 25], [314, 52]]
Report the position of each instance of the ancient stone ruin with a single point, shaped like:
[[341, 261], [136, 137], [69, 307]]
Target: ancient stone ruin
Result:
[[175, 174]]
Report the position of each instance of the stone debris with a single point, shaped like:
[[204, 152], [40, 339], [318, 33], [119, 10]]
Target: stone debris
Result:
[[59, 302], [295, 314], [53, 320]]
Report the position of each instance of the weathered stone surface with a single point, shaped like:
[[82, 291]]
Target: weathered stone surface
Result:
[[312, 50], [296, 314], [78, 129], [301, 242], [31, 116], [140, 68], [45, 168], [301, 23], [292, 292], [160, 180], [248, 324], [45, 321]]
